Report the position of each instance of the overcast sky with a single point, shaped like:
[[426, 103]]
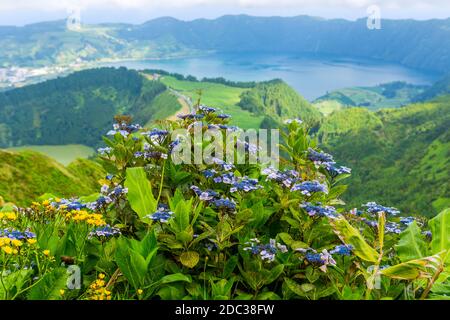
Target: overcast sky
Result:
[[19, 12]]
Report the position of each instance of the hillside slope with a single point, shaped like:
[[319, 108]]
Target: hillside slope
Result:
[[278, 101], [26, 175], [76, 109], [399, 156]]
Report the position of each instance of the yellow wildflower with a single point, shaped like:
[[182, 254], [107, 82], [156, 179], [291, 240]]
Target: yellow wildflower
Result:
[[11, 216], [4, 241], [140, 291], [46, 252], [7, 249], [16, 243], [61, 292], [46, 203], [101, 276], [31, 241]]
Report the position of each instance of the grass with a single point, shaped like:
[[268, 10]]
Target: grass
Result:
[[219, 96], [64, 154]]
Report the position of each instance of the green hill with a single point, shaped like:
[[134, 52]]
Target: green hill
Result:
[[416, 44], [26, 175], [440, 87], [399, 156], [277, 100], [386, 95], [77, 109]]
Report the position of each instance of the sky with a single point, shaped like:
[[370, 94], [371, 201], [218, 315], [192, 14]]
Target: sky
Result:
[[20, 12]]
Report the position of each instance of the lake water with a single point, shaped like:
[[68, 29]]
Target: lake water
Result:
[[311, 76]]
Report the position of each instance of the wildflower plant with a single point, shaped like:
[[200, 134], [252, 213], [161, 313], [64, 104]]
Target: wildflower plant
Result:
[[219, 229]]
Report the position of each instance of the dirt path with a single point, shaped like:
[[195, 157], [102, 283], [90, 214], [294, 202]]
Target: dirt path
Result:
[[185, 108]]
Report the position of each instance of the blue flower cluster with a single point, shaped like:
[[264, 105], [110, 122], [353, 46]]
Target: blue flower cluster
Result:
[[124, 129], [14, 234], [309, 187], [108, 195], [318, 210], [104, 151], [157, 136], [245, 184], [69, 204], [191, 116], [322, 259], [374, 209], [326, 160], [150, 155], [162, 215], [213, 198], [407, 220], [319, 157], [265, 251], [343, 250], [104, 232], [335, 171], [286, 178], [296, 120]]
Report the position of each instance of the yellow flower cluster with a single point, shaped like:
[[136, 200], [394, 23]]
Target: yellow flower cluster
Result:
[[98, 290], [12, 246], [94, 219], [8, 216]]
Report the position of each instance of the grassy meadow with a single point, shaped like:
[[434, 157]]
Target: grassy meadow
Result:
[[215, 94], [64, 154]]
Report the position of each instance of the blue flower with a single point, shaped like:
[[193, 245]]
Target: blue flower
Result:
[[104, 151], [245, 184], [319, 157], [407, 220], [336, 171], [286, 178], [265, 251], [224, 203], [374, 208], [191, 116], [343, 250], [104, 232], [14, 234], [162, 215], [223, 116], [296, 120], [313, 210], [206, 109], [308, 187]]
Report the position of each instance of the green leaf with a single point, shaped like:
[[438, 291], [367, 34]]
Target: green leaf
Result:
[[350, 235], [48, 288], [140, 193], [189, 259], [175, 278], [411, 245], [414, 269], [440, 230], [274, 274], [295, 287]]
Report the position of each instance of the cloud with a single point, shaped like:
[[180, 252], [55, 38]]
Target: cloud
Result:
[[57, 5]]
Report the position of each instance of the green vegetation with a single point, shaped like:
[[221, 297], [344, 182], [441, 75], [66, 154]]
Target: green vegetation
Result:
[[416, 44], [76, 109], [277, 100], [399, 156], [161, 230], [26, 175], [440, 87], [63, 154], [219, 95], [388, 95]]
